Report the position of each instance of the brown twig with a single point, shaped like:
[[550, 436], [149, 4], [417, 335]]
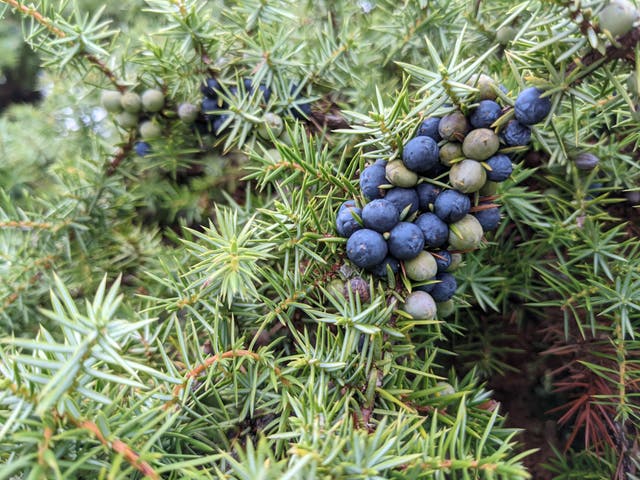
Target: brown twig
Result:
[[207, 363], [623, 50], [120, 156], [119, 447]]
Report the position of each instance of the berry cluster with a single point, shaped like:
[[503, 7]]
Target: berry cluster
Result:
[[412, 218], [211, 117], [134, 110]]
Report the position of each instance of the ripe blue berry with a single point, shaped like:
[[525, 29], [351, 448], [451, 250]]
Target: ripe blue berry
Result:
[[347, 204], [501, 168], [427, 194], [420, 154], [209, 105], [217, 124], [489, 218], [210, 88], [516, 134], [299, 110], [444, 290], [406, 241], [451, 206], [530, 108], [380, 270], [434, 230], [443, 260], [485, 114], [346, 223], [142, 149], [371, 179], [429, 128], [366, 248], [380, 215], [403, 198]]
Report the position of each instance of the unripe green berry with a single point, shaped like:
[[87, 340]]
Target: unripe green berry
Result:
[[456, 260], [110, 100], [188, 112], [336, 287], [445, 389], [127, 119], [131, 102], [505, 34], [421, 268], [399, 175], [485, 85], [152, 100], [465, 234], [467, 176], [420, 306], [150, 130], [453, 126], [273, 154], [480, 144], [450, 151], [489, 188], [271, 122], [618, 17], [446, 308]]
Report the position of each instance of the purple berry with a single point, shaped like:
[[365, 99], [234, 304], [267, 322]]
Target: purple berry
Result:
[[366, 248], [530, 108], [451, 205], [501, 168], [485, 114]]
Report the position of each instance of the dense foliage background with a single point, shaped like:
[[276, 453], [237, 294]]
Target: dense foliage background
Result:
[[172, 316]]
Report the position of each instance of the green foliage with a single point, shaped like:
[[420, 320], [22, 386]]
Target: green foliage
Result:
[[182, 314]]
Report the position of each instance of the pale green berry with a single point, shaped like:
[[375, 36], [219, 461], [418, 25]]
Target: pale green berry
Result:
[[467, 176], [399, 175], [485, 85], [480, 144], [127, 119], [489, 188], [421, 268], [445, 309], [152, 100], [271, 123], [456, 261], [420, 305], [618, 17], [150, 130], [445, 389], [505, 34], [465, 234], [188, 112], [450, 151], [110, 100], [131, 102]]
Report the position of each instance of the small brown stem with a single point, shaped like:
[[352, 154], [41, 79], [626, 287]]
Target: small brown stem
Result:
[[119, 447]]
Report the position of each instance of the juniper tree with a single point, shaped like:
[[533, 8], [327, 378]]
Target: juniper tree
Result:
[[185, 308]]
